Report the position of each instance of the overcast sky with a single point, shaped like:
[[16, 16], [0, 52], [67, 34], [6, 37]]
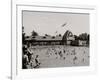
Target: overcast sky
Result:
[[55, 23]]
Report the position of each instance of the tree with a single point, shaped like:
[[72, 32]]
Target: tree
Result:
[[53, 37], [34, 33], [83, 36], [88, 39], [60, 35], [46, 35], [23, 35]]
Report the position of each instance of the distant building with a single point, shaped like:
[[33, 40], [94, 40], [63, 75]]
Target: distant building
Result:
[[82, 42], [47, 40], [66, 39]]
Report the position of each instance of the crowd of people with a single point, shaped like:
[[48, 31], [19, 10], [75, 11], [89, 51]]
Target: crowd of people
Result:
[[33, 57], [29, 59], [61, 52]]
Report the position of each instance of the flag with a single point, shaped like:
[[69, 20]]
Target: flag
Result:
[[64, 25]]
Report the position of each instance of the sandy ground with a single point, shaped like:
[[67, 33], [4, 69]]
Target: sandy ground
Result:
[[60, 56]]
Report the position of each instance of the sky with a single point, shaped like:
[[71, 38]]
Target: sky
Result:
[[52, 23]]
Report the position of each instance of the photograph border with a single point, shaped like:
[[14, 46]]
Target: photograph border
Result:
[[14, 55]]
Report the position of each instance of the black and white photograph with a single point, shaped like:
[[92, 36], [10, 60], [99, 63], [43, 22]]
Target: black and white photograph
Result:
[[55, 39]]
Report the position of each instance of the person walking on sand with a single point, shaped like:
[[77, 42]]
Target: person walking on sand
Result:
[[37, 62], [29, 53], [25, 61], [74, 59]]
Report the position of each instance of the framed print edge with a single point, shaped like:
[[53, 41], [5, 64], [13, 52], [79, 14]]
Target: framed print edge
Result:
[[18, 73]]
